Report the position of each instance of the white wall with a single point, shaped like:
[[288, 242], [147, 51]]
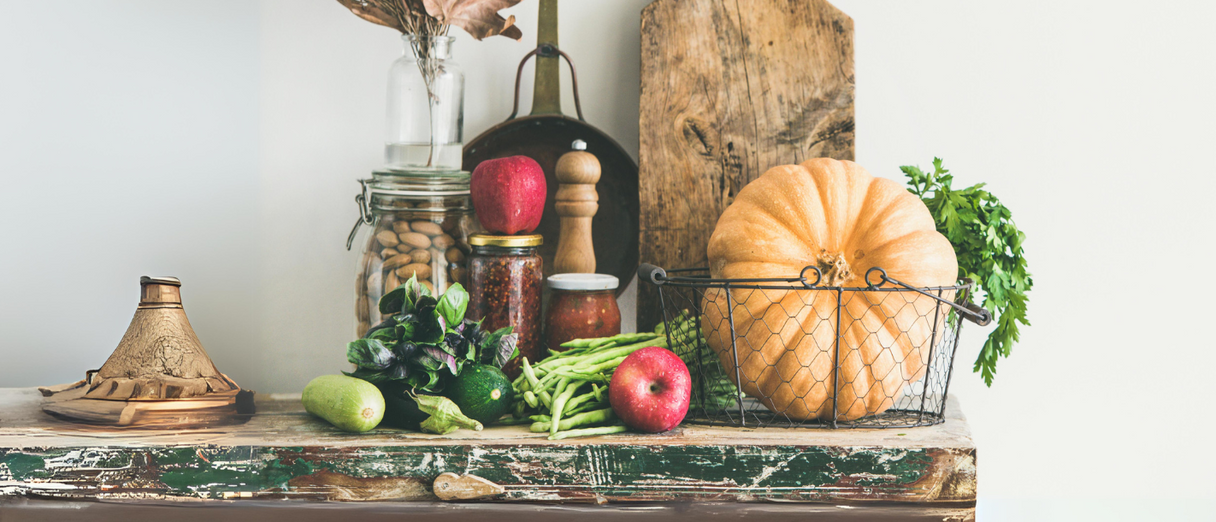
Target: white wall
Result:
[[220, 141]]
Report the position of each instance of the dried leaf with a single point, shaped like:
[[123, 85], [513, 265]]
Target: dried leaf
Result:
[[371, 11], [477, 17]]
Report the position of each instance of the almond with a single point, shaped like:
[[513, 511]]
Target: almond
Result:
[[426, 228], [443, 242], [396, 261], [401, 226], [458, 274], [414, 239], [454, 255], [387, 253], [387, 238], [429, 286], [407, 271], [421, 256], [391, 282]]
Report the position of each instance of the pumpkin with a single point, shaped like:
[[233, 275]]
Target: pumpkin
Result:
[[835, 216]]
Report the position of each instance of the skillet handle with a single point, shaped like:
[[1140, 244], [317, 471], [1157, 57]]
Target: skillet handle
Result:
[[546, 50]]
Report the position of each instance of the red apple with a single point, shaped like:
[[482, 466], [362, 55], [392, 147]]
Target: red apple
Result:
[[650, 390], [508, 194]]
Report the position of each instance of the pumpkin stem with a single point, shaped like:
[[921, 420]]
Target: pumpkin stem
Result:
[[835, 270]]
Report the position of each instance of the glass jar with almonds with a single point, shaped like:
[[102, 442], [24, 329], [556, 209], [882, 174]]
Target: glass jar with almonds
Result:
[[418, 226]]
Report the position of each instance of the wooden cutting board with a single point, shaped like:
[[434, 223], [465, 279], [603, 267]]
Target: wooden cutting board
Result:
[[729, 90]]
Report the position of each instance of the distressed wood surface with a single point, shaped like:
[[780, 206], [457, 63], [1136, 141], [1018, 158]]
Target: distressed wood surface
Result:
[[730, 89], [282, 452], [34, 510]]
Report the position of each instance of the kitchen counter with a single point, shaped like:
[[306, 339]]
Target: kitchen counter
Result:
[[281, 453]]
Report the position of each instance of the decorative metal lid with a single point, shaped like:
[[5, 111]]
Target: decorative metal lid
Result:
[[506, 241]]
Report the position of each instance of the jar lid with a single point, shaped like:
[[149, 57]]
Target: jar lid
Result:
[[406, 183], [583, 282], [506, 241]]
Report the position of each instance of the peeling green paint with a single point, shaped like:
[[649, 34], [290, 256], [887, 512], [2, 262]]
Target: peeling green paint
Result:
[[22, 465], [613, 471]]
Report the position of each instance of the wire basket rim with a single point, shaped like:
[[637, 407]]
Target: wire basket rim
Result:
[[659, 277]]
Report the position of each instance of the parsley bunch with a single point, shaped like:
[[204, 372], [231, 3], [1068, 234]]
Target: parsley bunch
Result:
[[989, 250]]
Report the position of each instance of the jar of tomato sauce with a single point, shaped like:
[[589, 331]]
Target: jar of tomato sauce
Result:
[[581, 306]]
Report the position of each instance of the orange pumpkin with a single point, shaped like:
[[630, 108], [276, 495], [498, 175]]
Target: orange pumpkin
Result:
[[835, 216]]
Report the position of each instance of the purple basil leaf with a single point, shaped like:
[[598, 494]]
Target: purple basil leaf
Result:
[[439, 355], [506, 349], [427, 362]]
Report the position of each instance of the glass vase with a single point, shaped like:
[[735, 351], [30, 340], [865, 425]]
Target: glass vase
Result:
[[425, 108]]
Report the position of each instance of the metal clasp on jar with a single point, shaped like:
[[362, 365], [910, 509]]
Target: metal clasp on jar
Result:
[[369, 192]]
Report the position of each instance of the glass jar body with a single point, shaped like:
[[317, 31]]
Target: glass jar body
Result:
[[420, 229], [580, 314], [505, 290], [425, 120]]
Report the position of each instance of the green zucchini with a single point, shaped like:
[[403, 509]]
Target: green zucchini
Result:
[[481, 392], [349, 403]]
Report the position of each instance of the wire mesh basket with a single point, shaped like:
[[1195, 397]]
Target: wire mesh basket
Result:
[[790, 353]]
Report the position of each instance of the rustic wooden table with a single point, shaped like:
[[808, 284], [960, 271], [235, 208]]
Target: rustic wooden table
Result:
[[248, 470]]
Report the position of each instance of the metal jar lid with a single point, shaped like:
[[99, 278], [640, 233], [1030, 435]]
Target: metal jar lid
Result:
[[529, 240]]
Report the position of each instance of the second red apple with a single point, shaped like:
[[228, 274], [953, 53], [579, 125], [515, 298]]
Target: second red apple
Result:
[[508, 194], [650, 390]]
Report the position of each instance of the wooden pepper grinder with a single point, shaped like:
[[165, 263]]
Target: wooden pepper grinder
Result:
[[576, 203]]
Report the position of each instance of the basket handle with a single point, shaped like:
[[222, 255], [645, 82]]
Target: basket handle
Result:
[[969, 310], [976, 313], [651, 273]]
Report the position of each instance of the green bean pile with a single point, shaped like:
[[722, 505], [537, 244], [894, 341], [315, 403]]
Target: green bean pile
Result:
[[712, 389], [568, 391]]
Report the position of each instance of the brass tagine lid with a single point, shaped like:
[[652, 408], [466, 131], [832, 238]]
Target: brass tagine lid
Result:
[[159, 366]]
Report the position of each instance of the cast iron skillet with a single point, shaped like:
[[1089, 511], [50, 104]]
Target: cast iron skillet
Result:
[[544, 137]]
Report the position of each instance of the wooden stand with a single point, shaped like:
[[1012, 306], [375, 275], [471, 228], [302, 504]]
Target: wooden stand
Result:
[[576, 203], [285, 455]]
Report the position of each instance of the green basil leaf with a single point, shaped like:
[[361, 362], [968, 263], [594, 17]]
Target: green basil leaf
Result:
[[371, 376], [392, 301], [411, 291], [453, 304], [370, 354], [384, 335]]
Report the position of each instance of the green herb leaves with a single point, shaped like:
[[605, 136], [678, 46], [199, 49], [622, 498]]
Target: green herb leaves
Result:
[[989, 250], [425, 339], [452, 305]]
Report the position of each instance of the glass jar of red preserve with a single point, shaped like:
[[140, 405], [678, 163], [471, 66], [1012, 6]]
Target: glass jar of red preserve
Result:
[[505, 274], [581, 306]]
